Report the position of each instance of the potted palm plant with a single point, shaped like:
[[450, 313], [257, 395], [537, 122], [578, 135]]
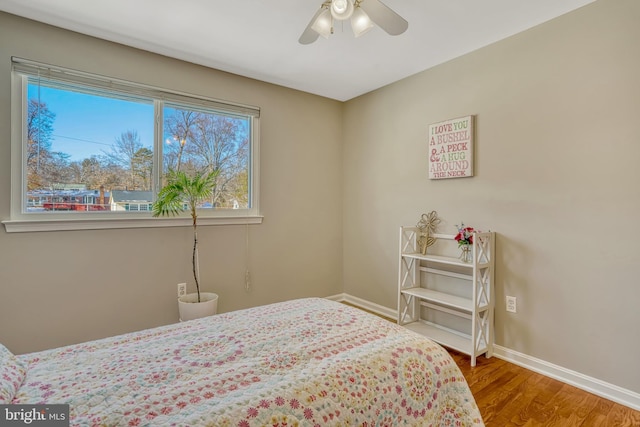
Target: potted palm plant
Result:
[[185, 192]]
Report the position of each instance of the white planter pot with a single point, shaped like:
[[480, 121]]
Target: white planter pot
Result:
[[190, 308]]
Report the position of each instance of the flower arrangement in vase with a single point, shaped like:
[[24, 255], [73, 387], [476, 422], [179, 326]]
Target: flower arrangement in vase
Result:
[[465, 240]]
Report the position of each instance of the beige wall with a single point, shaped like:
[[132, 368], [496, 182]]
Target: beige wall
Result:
[[557, 177], [64, 287]]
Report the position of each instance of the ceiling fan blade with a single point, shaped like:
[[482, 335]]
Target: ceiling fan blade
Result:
[[310, 35], [384, 17]]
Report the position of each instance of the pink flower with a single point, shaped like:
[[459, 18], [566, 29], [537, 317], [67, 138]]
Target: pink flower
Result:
[[465, 235]]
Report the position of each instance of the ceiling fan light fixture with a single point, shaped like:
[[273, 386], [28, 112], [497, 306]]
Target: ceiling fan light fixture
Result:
[[364, 15], [341, 9], [323, 25], [360, 22]]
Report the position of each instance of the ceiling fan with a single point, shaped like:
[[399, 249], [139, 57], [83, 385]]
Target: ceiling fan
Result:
[[362, 13]]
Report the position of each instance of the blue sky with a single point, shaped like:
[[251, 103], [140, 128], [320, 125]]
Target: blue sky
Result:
[[87, 125]]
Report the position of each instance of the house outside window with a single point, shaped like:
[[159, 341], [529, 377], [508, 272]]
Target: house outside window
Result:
[[87, 140]]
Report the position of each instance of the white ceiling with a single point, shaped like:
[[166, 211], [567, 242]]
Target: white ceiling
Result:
[[259, 38]]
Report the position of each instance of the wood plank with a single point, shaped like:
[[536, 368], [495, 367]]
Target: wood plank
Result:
[[599, 413], [621, 416]]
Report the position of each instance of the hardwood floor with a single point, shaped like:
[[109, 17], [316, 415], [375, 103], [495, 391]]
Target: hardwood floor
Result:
[[509, 395]]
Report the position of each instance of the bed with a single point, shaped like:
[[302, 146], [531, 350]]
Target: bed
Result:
[[306, 362]]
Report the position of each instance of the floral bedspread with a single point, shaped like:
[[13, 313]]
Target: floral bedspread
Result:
[[307, 362]]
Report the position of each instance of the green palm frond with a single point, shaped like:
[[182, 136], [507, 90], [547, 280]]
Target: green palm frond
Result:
[[182, 189]]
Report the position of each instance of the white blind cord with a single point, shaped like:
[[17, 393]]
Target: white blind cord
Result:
[[247, 276]]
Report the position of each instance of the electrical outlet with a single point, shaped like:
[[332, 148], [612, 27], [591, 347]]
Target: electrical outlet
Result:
[[182, 289], [511, 304]]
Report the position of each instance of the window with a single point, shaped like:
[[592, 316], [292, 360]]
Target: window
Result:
[[96, 148]]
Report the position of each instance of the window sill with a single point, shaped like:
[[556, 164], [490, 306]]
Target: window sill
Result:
[[22, 226]]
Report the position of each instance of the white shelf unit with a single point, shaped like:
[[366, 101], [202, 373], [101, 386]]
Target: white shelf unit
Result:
[[474, 305]]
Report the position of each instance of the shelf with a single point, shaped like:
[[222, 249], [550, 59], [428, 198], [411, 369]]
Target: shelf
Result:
[[453, 340], [438, 258], [430, 285], [464, 304]]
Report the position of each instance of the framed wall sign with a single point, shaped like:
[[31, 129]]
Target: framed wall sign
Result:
[[451, 148]]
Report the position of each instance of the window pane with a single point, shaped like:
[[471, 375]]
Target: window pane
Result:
[[196, 139], [91, 144], [84, 146]]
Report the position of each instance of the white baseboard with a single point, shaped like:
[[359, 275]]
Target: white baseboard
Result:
[[338, 297], [592, 385], [367, 305]]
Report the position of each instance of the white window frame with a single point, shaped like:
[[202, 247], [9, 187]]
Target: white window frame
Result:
[[21, 221]]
